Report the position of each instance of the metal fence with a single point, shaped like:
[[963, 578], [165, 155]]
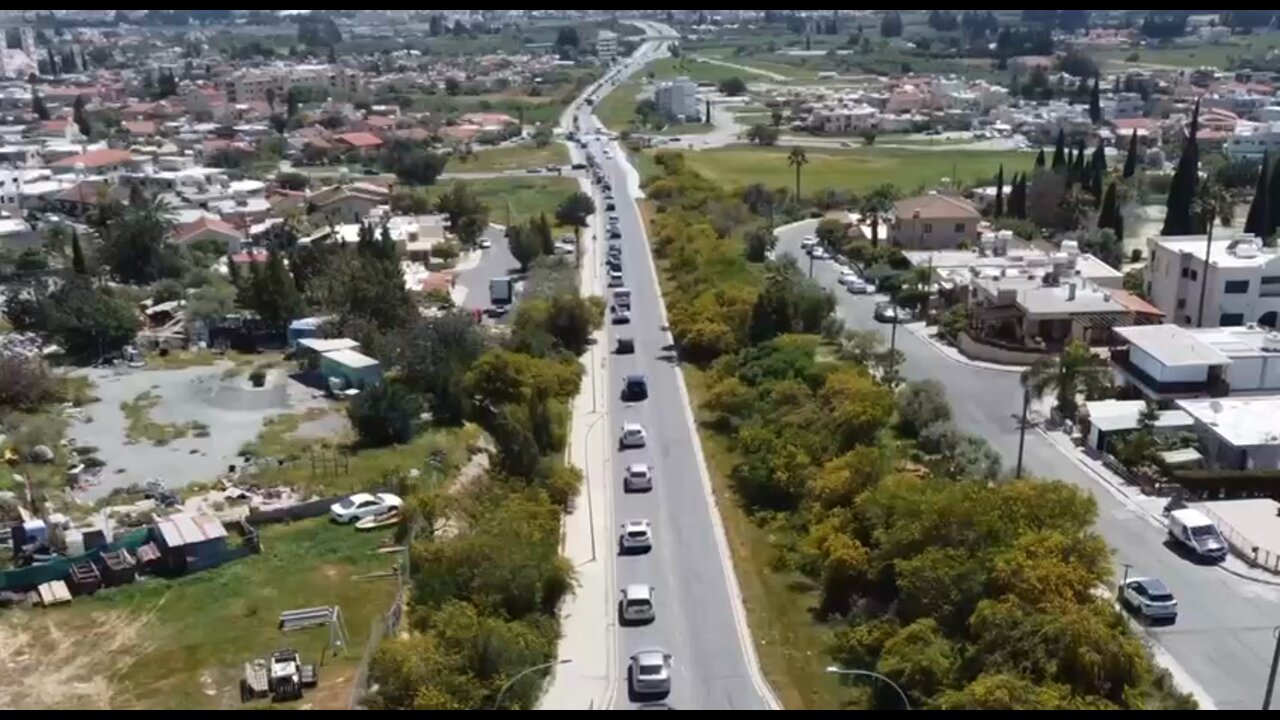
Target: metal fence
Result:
[[387, 625], [1243, 547]]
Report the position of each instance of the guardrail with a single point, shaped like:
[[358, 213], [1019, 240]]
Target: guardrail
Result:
[[1243, 547]]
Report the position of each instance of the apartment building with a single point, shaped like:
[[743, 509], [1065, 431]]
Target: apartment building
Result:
[[678, 99], [252, 85]]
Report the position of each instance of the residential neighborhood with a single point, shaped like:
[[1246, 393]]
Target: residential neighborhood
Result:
[[639, 359]]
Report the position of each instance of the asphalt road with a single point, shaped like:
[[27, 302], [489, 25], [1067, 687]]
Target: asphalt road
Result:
[[496, 261], [695, 620], [1223, 635]]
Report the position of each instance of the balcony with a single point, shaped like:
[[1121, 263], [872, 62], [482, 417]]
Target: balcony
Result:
[[1214, 386]]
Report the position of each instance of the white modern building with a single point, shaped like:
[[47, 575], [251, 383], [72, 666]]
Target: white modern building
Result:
[[1124, 106], [1237, 433], [1167, 362], [607, 45], [1240, 276], [678, 99], [843, 119], [1251, 140]]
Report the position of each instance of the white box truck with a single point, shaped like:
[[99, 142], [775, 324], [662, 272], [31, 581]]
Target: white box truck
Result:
[[1196, 532]]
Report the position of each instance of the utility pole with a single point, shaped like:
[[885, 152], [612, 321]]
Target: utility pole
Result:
[[810, 263], [1022, 430], [1271, 677]]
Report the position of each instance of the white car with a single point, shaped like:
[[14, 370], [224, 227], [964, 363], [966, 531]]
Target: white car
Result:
[[857, 286], [638, 478], [819, 253], [846, 276], [637, 535], [808, 242], [485, 243], [363, 505], [650, 672], [632, 436], [1149, 599], [615, 279], [636, 605]]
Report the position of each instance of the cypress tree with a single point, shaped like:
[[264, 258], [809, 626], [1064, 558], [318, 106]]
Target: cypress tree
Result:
[[1095, 103], [1178, 219], [1131, 161], [1098, 168], [999, 212], [1040, 160], [1273, 202], [1060, 153], [78, 265], [1110, 216], [1258, 220]]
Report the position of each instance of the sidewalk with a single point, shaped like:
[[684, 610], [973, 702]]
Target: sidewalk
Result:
[[586, 617], [929, 334]]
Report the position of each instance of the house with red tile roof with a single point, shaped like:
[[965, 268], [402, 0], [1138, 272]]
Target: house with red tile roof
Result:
[[207, 228], [140, 128], [358, 140], [376, 124], [101, 161], [460, 133], [61, 128], [86, 196]]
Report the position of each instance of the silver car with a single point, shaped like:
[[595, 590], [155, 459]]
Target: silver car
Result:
[[650, 672], [636, 605]]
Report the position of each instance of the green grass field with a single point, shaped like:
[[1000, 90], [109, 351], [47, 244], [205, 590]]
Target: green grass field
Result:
[[515, 157], [1220, 56], [516, 199], [854, 169], [181, 643]]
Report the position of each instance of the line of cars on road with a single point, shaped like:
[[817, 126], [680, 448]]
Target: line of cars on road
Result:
[[649, 669]]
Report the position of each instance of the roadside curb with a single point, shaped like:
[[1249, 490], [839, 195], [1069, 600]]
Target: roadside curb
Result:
[[921, 331]]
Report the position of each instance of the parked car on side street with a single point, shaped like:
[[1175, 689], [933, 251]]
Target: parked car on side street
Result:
[[1149, 599], [887, 312], [363, 505]]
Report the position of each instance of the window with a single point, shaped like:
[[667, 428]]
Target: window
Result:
[[1231, 319], [1185, 272], [1193, 274], [1269, 286], [960, 228], [928, 228], [1235, 287], [1182, 304]]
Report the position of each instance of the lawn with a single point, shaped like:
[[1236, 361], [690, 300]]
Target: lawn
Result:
[[181, 643], [618, 108], [855, 169], [516, 199], [1241, 46], [513, 157]]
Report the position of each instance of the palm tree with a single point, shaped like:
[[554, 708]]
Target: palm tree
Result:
[[1211, 203], [797, 159], [1076, 370], [872, 208]]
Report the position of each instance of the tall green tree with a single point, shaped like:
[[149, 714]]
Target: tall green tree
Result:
[[1273, 203], [797, 159], [81, 116], [1095, 103], [1060, 153], [574, 211], [1110, 215], [1178, 219], [1040, 160], [1077, 370], [999, 207], [1131, 160], [78, 265], [1097, 173], [274, 296], [1258, 222], [1077, 174]]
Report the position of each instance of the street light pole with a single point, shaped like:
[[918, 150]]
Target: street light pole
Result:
[[833, 670], [1271, 677], [1022, 430], [497, 703]]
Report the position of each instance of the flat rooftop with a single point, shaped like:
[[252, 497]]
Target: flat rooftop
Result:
[[1111, 415], [1241, 421], [1222, 254], [1172, 345]]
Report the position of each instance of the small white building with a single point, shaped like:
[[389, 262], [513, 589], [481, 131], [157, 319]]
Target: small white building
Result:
[[1166, 362], [1237, 433], [678, 99], [606, 45], [1251, 140]]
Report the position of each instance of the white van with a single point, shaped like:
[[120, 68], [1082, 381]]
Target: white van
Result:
[[1197, 533], [622, 298]]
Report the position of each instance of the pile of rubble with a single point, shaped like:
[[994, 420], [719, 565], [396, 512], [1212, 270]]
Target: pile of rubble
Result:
[[21, 344]]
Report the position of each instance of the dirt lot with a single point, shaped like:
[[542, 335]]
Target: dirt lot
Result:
[[205, 417]]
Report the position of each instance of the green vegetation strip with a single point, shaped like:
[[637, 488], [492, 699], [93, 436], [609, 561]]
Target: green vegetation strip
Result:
[[137, 413]]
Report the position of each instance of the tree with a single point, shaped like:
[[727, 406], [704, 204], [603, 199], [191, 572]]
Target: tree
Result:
[[411, 162], [732, 86], [1097, 171], [1060, 153], [775, 117], [384, 414], [797, 159], [762, 134], [999, 206], [81, 117], [78, 265], [574, 211], [1076, 173], [831, 233], [567, 37], [318, 31], [467, 214], [1110, 217], [1178, 219], [1040, 160], [1258, 221], [1095, 103], [90, 322], [542, 136], [133, 240], [1018, 197], [920, 660], [435, 356], [1131, 159], [891, 24], [523, 245], [1212, 203], [874, 206], [921, 403], [274, 296], [38, 106], [1076, 370], [758, 243]]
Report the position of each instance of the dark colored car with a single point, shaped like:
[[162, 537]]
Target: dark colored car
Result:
[[626, 346], [635, 388], [615, 233], [610, 207]]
